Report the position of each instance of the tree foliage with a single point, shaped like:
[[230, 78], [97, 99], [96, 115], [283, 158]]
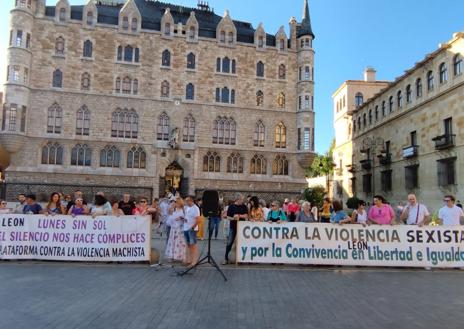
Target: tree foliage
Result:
[[323, 164], [315, 195]]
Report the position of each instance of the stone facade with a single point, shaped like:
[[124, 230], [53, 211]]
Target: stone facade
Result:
[[346, 100], [51, 71], [416, 144]]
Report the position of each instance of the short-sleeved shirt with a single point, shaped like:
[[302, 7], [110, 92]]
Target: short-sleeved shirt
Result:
[[338, 216], [413, 217], [383, 215], [191, 214], [235, 209], [33, 208], [450, 216]]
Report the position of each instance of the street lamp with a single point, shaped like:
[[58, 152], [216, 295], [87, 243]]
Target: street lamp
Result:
[[370, 146]]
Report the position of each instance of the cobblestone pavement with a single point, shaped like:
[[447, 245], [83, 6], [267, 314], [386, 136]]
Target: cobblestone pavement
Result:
[[73, 295]]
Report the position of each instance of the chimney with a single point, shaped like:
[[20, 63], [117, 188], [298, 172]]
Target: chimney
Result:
[[369, 74]]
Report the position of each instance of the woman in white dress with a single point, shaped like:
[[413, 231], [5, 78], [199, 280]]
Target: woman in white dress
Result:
[[176, 248]]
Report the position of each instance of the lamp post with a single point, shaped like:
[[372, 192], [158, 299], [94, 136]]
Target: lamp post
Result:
[[371, 144]]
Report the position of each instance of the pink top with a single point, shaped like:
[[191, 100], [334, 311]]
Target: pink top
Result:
[[293, 207], [383, 215]]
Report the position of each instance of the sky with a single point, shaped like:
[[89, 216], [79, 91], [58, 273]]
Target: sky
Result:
[[389, 35]]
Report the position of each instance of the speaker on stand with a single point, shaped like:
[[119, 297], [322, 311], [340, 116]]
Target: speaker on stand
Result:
[[210, 206]]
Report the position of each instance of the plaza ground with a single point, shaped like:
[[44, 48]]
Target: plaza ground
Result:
[[75, 295]]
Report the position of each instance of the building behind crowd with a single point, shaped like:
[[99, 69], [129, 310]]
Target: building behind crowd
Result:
[[144, 96], [408, 137]]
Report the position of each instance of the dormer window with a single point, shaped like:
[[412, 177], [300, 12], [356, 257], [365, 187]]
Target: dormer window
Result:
[[282, 45], [125, 23], [167, 29], [90, 18], [134, 24], [222, 37], [192, 32], [260, 42], [62, 16]]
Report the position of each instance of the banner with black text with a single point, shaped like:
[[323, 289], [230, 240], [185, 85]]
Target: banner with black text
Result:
[[81, 238], [354, 245]]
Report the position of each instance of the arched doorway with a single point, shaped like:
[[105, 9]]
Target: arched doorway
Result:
[[173, 180]]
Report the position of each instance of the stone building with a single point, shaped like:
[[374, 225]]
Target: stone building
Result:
[[145, 96], [346, 99], [409, 137]]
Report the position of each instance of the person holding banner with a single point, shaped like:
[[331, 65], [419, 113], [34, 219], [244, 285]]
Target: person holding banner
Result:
[[20, 206], [339, 216], [276, 215], [359, 216], [381, 213], [176, 247], [305, 215], [326, 211], [256, 212], [78, 208], [450, 214], [236, 212], [32, 207], [415, 213], [54, 205], [3, 208]]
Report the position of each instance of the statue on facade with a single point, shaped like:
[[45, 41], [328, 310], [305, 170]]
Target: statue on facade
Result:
[[174, 138]]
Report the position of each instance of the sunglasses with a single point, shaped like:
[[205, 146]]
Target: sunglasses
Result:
[[143, 201]]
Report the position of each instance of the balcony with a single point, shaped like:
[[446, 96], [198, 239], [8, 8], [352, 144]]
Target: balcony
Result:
[[385, 159], [351, 168], [410, 151], [444, 141], [366, 164]]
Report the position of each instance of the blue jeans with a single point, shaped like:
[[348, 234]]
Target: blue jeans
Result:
[[214, 226], [230, 241]]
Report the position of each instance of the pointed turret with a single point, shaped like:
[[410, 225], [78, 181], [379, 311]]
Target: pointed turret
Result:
[[305, 27]]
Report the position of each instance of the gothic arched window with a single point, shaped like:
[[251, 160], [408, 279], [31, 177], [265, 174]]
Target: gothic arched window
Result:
[[280, 138], [260, 69], [235, 163], [224, 131], [190, 91], [52, 154], [258, 165], [280, 166], [211, 162], [136, 158], [85, 81], [110, 157], [54, 119], [191, 61], [166, 58], [125, 124], [87, 51], [163, 128], [57, 79], [83, 121], [81, 155], [188, 133], [259, 136], [282, 71]]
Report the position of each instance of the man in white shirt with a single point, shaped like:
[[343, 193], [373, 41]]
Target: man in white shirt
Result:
[[192, 217], [450, 214], [415, 213]]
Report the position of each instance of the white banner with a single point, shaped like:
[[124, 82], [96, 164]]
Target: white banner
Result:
[[81, 238], [355, 245]]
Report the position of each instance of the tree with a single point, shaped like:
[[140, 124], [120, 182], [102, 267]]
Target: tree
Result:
[[315, 195], [322, 165]]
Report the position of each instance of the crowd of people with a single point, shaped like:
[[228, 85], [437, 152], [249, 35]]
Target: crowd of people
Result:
[[182, 222]]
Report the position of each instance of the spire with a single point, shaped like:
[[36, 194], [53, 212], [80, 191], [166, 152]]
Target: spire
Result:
[[305, 28]]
